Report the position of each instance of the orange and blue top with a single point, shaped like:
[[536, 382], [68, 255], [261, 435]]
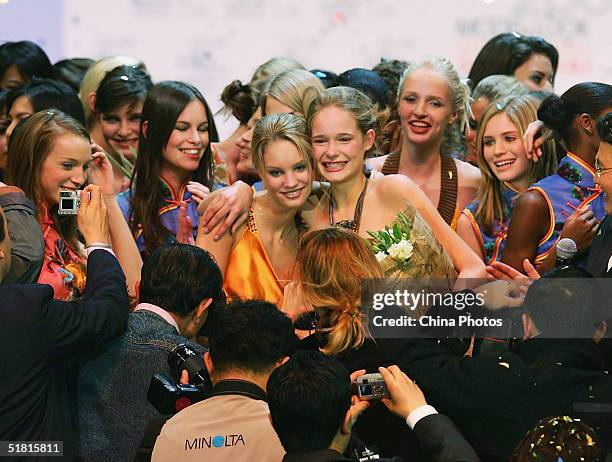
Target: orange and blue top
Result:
[[492, 242], [168, 211], [572, 187]]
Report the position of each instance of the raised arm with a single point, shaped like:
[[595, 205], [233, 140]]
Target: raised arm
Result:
[[220, 248], [123, 242], [466, 262], [101, 314], [226, 207], [466, 231], [529, 223]]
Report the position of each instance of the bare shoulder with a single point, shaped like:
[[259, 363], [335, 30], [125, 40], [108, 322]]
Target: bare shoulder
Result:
[[469, 176], [400, 188]]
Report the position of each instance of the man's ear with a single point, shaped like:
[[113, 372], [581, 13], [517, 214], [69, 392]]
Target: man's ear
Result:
[[281, 362], [345, 428], [145, 128], [587, 123], [91, 100], [200, 310], [208, 363]]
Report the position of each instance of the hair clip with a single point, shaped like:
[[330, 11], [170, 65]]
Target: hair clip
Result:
[[517, 35], [124, 77]]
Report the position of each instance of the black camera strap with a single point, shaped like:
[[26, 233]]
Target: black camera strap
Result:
[[239, 387]]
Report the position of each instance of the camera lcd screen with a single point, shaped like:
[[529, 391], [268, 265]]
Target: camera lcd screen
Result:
[[365, 390], [67, 203]]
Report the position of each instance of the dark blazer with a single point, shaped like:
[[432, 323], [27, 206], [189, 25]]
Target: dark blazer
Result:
[[496, 400], [601, 250], [38, 334]]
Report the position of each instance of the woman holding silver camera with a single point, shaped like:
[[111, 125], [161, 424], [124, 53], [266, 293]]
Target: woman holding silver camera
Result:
[[52, 152]]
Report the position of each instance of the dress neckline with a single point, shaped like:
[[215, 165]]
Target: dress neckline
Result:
[[355, 223]]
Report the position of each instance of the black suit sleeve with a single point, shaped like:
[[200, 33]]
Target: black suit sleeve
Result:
[[79, 326], [441, 440]]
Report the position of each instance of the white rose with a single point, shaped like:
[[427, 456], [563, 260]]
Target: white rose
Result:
[[402, 250], [380, 256]]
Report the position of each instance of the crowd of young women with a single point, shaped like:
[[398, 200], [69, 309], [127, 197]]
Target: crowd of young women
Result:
[[291, 203]]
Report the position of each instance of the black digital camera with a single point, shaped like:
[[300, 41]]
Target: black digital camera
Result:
[[168, 396]]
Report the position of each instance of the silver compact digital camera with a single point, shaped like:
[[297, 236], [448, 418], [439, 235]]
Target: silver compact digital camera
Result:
[[372, 386], [69, 202]]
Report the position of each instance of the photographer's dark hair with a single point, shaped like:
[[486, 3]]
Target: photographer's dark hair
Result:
[[29, 59], [49, 94], [308, 398], [71, 71], [391, 71], [251, 336], [504, 53], [124, 85], [604, 127], [566, 303], [177, 278], [162, 107], [558, 112]]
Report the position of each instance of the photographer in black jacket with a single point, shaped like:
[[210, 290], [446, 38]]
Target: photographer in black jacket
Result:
[[313, 411], [38, 334]]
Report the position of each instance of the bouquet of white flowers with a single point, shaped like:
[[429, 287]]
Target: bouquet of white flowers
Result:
[[409, 249], [393, 246]]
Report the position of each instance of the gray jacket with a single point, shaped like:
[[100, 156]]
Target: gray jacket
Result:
[[110, 402]]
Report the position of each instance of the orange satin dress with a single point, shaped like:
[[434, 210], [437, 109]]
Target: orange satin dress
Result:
[[249, 272]]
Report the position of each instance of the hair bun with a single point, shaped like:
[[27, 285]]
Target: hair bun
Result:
[[239, 100], [555, 113], [604, 127]]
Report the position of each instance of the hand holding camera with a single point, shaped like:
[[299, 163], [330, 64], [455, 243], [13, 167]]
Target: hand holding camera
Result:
[[405, 395], [92, 216]]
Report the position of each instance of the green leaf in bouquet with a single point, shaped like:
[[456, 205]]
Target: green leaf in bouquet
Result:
[[397, 232], [387, 239]]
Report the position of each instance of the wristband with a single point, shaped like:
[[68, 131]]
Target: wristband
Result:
[[100, 245]]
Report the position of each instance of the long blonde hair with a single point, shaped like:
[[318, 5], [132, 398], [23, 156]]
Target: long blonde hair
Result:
[[330, 264], [521, 110]]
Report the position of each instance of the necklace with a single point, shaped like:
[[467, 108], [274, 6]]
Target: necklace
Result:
[[353, 224]]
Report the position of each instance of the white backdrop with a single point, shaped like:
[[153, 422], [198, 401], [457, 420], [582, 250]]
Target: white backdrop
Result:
[[211, 42]]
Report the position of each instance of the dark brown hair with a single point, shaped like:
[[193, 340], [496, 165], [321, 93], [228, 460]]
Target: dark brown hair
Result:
[[162, 107]]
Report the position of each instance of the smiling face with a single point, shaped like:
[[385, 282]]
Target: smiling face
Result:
[[504, 152], [64, 167], [286, 174], [188, 141], [604, 161], [425, 107], [338, 145], [21, 109], [121, 127], [537, 73], [245, 161]]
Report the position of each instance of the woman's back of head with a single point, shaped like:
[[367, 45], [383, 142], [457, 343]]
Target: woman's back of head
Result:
[[330, 265], [559, 112], [296, 89]]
